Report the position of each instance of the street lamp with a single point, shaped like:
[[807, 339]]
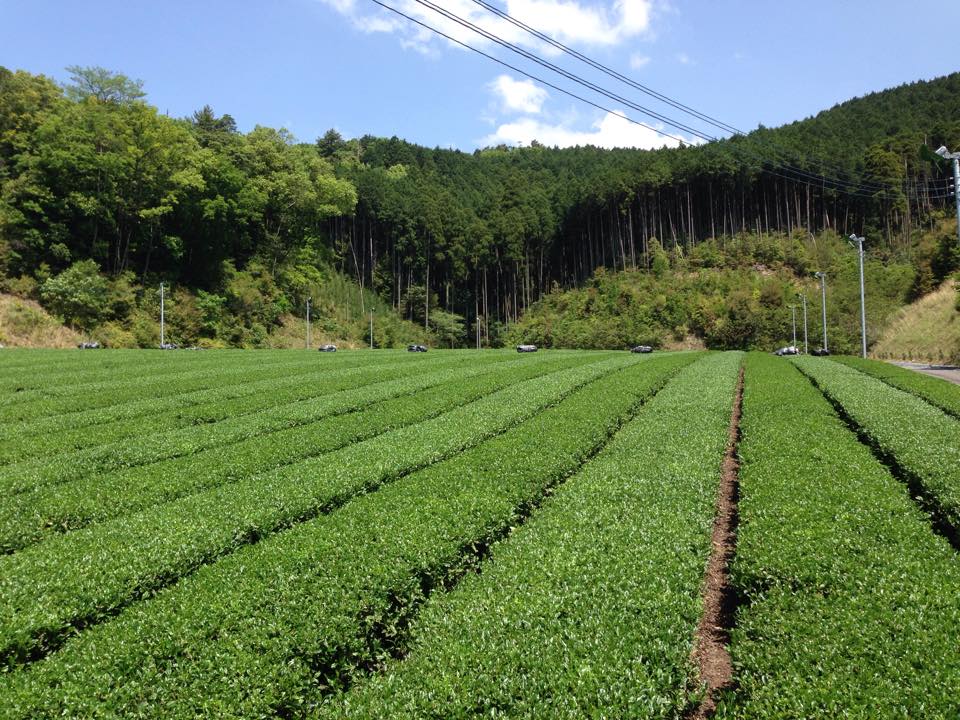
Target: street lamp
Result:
[[863, 306], [793, 310], [309, 339], [955, 156], [823, 305], [163, 340], [803, 298]]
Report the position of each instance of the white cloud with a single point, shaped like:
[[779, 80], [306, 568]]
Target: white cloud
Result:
[[613, 130], [684, 59], [638, 61], [518, 95], [569, 21]]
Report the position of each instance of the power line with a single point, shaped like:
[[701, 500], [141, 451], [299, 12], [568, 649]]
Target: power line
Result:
[[726, 127], [525, 73], [557, 69], [841, 186], [609, 71], [838, 185]]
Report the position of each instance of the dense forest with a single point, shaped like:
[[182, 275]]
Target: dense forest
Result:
[[102, 196]]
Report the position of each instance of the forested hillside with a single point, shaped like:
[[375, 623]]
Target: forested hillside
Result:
[[101, 196]]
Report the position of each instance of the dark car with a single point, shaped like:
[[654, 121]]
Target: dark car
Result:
[[327, 348], [820, 352], [788, 350], [641, 349], [526, 348], [416, 348]]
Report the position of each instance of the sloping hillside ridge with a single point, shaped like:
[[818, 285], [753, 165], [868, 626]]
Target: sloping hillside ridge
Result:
[[926, 330], [23, 323]]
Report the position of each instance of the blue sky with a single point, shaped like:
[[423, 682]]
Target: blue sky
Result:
[[309, 65]]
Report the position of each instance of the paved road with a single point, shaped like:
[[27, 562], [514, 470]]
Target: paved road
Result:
[[947, 372]]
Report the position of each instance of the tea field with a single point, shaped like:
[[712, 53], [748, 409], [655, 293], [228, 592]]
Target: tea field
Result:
[[461, 534]]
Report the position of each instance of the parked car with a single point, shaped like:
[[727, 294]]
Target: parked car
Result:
[[526, 348], [641, 349], [327, 348], [89, 346], [416, 348], [788, 350], [169, 346], [820, 352]]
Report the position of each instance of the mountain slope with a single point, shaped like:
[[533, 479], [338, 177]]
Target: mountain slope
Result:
[[927, 330], [24, 323]]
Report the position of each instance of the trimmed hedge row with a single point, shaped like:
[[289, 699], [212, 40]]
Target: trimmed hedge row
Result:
[[175, 404], [27, 518], [35, 367], [936, 391], [81, 578], [56, 378], [254, 394], [590, 609], [32, 404], [334, 394], [850, 601], [918, 438], [262, 631]]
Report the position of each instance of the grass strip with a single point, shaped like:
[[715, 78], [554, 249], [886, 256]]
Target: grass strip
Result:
[[849, 600], [918, 441], [589, 609]]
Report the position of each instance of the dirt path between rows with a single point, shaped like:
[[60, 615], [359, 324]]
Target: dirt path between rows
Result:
[[710, 651]]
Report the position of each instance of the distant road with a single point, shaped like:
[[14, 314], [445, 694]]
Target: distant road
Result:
[[947, 372]]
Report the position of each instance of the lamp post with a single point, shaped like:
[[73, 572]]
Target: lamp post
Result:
[[793, 313], [955, 156], [309, 343], [863, 306], [162, 338], [806, 346], [823, 305]]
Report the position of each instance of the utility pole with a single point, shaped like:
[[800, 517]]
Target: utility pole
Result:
[[806, 346], [162, 343], [371, 329], [863, 306], [309, 343], [955, 156], [823, 305], [793, 311]]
